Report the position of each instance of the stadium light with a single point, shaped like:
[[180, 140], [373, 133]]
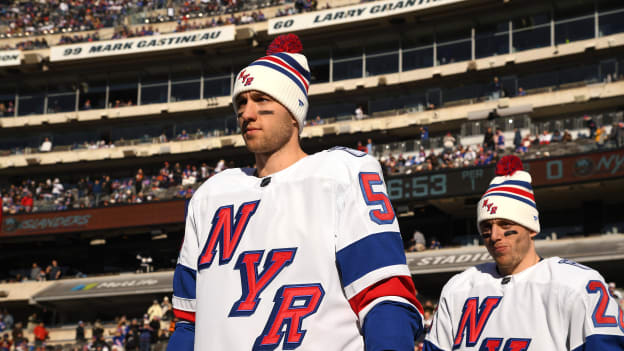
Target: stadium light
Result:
[[96, 242]]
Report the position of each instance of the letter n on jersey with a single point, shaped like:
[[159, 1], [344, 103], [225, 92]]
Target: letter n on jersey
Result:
[[227, 232], [472, 322]]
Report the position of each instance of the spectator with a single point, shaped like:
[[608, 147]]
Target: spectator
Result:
[[567, 137], [521, 92], [448, 142], [488, 139], [5, 342], [55, 271], [424, 137], [167, 309], [8, 319], [145, 337], [35, 272], [132, 339], [601, 136], [360, 147], [500, 140], [359, 112], [118, 340], [496, 90], [369, 146], [41, 335], [97, 331], [183, 135], [162, 138], [418, 241], [154, 310], [545, 138], [517, 140], [589, 122], [556, 136], [46, 146], [617, 134], [434, 244]]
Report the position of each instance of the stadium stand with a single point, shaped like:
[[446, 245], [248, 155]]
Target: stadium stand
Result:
[[130, 88]]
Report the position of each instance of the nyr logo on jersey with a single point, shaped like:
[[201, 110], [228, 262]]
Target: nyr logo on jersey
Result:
[[473, 322], [227, 231]]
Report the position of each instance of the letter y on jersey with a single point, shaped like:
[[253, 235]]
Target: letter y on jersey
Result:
[[253, 283]]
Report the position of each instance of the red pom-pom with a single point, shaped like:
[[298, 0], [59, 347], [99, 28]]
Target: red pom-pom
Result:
[[285, 43], [508, 165]]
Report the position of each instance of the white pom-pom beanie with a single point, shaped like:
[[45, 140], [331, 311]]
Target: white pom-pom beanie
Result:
[[283, 74], [510, 196]]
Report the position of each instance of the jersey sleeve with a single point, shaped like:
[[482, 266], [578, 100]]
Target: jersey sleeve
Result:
[[184, 277], [369, 248], [440, 336], [596, 320]]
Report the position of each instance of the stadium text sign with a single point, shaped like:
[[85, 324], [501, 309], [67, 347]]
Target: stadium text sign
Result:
[[10, 58], [93, 219], [360, 12], [142, 44]]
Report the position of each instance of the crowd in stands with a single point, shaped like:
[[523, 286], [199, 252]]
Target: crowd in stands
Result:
[[53, 195], [455, 155], [77, 38], [130, 334], [48, 17]]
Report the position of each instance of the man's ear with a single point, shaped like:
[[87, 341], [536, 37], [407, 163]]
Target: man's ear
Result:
[[533, 234]]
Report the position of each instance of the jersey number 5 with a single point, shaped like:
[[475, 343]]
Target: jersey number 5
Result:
[[373, 198]]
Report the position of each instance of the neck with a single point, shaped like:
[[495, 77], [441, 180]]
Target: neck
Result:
[[273, 162], [531, 259]]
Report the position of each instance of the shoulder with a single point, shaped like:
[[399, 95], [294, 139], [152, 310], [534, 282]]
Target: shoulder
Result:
[[226, 179], [344, 158], [569, 274], [469, 278]]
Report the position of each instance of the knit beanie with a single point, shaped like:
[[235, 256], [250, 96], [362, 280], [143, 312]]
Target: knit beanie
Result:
[[282, 74], [510, 196]]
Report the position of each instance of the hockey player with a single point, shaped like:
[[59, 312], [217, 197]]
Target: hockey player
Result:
[[522, 301], [302, 252]]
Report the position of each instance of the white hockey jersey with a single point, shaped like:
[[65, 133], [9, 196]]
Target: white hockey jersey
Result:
[[556, 304], [272, 263]]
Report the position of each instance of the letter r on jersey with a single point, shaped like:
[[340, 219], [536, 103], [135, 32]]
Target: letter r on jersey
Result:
[[472, 322], [293, 303], [252, 283], [227, 232]]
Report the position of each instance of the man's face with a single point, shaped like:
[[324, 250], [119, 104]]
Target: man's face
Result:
[[509, 244], [266, 125]]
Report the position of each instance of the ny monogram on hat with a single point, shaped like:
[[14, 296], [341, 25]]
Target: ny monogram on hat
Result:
[[510, 196]]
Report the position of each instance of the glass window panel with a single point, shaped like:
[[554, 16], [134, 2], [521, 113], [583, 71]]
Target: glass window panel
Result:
[[569, 31], [538, 80], [347, 69], [61, 102], [216, 86], [531, 38], [611, 23], [451, 52], [608, 70], [153, 93], [319, 70], [462, 92], [31, 104], [492, 40], [417, 58], [92, 95], [588, 74], [182, 90], [382, 63], [123, 93]]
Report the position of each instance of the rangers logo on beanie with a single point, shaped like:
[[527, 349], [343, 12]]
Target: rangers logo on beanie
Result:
[[510, 196], [283, 74]]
